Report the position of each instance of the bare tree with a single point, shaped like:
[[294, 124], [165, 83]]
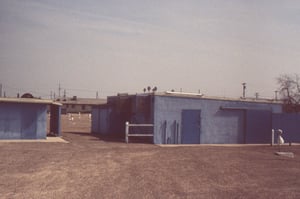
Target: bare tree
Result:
[[289, 89]]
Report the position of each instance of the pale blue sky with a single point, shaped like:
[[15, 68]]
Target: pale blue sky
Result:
[[125, 45]]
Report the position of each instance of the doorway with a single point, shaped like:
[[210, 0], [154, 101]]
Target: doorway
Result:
[[191, 126]]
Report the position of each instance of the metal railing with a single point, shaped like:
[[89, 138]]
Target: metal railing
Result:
[[127, 134]]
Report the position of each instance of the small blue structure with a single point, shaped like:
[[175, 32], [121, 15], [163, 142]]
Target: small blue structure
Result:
[[24, 118], [186, 118]]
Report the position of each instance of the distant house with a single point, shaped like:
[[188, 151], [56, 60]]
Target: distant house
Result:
[[186, 118], [83, 105], [26, 118]]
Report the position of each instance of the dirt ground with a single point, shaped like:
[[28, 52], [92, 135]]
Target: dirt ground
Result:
[[90, 167]]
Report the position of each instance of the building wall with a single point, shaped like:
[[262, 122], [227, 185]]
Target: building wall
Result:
[[101, 120], [176, 118], [258, 126], [95, 120], [289, 123], [76, 108], [216, 125], [111, 118], [55, 120], [23, 121]]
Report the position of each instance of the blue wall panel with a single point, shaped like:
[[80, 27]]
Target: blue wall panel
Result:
[[23, 121], [28, 123], [104, 120], [290, 124], [95, 119], [101, 122], [41, 123], [258, 127]]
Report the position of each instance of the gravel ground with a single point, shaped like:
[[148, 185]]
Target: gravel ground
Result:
[[91, 167]]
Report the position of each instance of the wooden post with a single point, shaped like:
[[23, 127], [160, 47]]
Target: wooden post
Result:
[[126, 131]]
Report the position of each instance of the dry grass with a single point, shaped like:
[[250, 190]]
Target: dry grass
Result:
[[89, 167]]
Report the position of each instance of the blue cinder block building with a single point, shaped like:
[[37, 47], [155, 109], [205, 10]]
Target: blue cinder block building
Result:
[[26, 118], [187, 118]]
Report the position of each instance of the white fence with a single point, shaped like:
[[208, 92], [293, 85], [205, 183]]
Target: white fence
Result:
[[128, 134]]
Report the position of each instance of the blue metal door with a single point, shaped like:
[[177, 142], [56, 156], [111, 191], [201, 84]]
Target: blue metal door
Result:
[[191, 121], [258, 126]]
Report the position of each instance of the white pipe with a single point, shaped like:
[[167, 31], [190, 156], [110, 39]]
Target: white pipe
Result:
[[183, 93], [126, 131], [272, 142]]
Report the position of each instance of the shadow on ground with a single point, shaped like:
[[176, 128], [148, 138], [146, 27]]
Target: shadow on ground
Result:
[[112, 138], [94, 136]]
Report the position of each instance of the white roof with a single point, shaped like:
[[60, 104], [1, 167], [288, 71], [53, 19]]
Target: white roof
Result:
[[201, 96], [29, 101]]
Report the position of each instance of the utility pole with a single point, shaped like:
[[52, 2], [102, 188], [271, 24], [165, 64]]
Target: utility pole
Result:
[[59, 89], [65, 94], [276, 97], [256, 95], [244, 89], [0, 90], [97, 95]]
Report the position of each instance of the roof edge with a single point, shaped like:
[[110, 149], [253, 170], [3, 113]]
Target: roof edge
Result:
[[201, 96], [29, 101]]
